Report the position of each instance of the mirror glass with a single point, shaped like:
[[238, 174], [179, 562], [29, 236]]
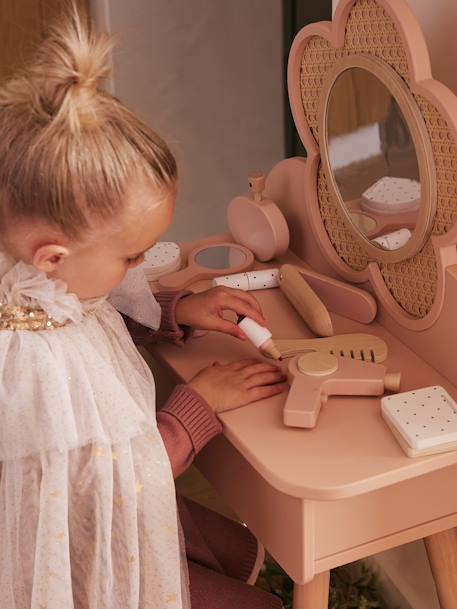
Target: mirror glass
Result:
[[373, 159], [221, 257]]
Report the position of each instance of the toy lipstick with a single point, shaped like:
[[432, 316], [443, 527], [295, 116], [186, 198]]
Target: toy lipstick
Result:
[[259, 336]]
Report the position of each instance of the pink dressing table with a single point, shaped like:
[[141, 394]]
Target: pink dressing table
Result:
[[342, 491], [323, 497]]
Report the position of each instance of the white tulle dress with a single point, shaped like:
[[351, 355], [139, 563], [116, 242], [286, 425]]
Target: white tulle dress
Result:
[[88, 514]]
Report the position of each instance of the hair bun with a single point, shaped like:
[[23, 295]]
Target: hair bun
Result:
[[64, 81]]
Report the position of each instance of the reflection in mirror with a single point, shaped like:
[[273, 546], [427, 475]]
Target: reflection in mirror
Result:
[[221, 257], [373, 159]]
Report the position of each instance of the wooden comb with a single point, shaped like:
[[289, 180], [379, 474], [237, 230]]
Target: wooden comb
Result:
[[364, 347]]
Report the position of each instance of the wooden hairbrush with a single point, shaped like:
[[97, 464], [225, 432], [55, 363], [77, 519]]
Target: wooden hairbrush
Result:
[[364, 347], [305, 300]]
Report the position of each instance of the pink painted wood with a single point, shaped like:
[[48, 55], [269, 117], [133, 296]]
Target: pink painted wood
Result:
[[244, 260], [292, 184], [422, 83], [259, 226], [341, 297], [349, 468], [323, 497], [344, 376]]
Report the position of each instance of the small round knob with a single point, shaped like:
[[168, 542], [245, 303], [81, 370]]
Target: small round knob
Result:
[[317, 363], [256, 185], [392, 381]]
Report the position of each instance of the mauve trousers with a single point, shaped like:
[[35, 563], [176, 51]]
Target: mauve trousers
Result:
[[221, 555]]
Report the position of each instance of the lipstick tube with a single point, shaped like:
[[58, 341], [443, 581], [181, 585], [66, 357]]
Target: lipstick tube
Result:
[[252, 280], [259, 336]]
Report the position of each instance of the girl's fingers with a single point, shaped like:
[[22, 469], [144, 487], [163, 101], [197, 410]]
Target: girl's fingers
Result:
[[227, 327], [265, 378], [243, 363], [243, 295], [266, 391], [259, 367], [247, 297], [242, 306]]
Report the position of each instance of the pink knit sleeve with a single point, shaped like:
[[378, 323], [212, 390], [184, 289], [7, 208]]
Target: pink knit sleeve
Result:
[[169, 329], [186, 424]]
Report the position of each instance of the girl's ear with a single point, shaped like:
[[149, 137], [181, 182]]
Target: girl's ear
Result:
[[48, 257]]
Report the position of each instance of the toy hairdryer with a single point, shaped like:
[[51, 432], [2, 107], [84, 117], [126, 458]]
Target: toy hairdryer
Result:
[[316, 376]]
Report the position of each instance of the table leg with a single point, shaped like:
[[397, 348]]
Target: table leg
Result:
[[313, 595], [442, 554]]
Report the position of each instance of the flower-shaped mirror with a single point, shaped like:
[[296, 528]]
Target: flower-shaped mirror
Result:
[[377, 158], [380, 135]]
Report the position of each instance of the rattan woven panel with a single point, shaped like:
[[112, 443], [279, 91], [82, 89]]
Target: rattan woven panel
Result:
[[370, 30], [347, 247]]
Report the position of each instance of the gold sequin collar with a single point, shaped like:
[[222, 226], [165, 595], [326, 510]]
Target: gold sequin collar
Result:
[[30, 300], [15, 317]]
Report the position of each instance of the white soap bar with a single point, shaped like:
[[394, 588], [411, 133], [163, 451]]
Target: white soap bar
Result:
[[257, 334], [424, 421], [395, 240], [252, 280], [392, 195], [163, 258]]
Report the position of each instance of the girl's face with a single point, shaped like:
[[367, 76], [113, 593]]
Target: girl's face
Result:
[[94, 268]]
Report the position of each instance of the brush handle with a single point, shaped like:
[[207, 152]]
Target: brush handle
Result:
[[180, 279], [305, 300], [342, 298], [300, 412]]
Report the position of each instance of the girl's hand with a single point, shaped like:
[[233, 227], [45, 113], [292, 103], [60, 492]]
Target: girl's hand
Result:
[[204, 311], [229, 386]]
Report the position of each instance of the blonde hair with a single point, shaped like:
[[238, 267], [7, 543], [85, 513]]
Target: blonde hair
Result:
[[68, 149]]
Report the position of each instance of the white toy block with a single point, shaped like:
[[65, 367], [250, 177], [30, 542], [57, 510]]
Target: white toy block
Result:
[[163, 258], [424, 421], [392, 195]]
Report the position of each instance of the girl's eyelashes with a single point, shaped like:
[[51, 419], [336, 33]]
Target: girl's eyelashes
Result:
[[135, 260]]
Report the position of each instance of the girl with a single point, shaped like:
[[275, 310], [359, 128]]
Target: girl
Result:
[[88, 516]]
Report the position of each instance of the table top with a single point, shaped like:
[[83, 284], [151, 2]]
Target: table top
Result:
[[351, 450]]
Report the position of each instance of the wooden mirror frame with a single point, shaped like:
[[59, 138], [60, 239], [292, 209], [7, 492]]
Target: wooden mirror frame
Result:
[[411, 290], [413, 117]]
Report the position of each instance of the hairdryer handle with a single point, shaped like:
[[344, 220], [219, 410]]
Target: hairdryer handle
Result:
[[302, 408]]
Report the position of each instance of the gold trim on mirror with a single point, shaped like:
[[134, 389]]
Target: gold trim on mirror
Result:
[[415, 122]]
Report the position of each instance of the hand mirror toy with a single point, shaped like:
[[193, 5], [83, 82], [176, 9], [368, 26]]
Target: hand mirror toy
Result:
[[208, 261]]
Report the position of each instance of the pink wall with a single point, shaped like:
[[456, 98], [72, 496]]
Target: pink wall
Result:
[[438, 19]]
